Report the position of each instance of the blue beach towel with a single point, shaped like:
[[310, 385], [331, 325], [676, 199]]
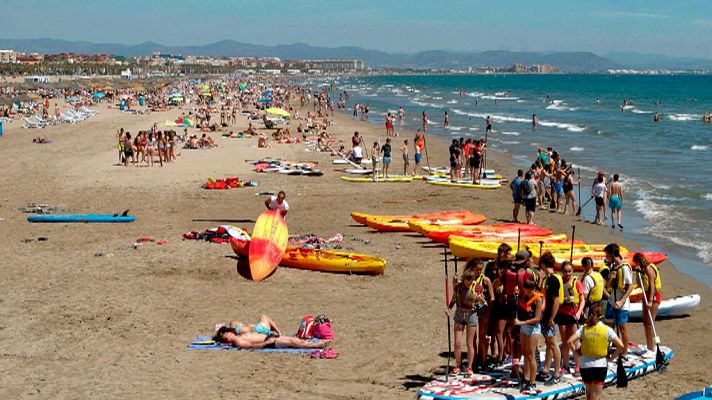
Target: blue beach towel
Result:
[[195, 345]]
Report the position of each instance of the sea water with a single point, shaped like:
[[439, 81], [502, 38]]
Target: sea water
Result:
[[663, 165]]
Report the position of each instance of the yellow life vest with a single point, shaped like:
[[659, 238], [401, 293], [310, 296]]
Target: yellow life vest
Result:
[[594, 341], [658, 282], [561, 286], [619, 277], [473, 286], [575, 294], [596, 293]]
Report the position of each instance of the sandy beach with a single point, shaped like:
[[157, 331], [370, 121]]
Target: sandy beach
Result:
[[86, 314]]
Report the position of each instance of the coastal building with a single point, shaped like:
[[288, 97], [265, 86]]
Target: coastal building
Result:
[[8, 56], [37, 79]]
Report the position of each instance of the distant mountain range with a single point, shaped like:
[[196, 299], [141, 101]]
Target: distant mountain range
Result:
[[567, 61]]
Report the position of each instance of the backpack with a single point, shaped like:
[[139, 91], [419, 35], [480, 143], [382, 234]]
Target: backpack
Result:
[[306, 327]]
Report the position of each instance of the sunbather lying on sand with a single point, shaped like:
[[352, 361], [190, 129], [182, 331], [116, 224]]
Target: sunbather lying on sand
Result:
[[263, 334]]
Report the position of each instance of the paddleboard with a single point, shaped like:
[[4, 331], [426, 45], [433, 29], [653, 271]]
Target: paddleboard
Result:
[[269, 240], [468, 185], [80, 218], [342, 161], [675, 307], [391, 179], [497, 385], [359, 171]]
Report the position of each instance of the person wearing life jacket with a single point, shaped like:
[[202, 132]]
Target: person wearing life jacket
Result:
[[522, 273], [483, 285], [649, 273], [553, 288], [569, 313], [595, 339], [594, 285], [529, 310], [504, 310], [466, 298], [620, 285]]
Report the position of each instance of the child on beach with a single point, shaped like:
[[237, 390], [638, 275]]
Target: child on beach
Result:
[[374, 159], [529, 309], [404, 152], [466, 298], [386, 150]]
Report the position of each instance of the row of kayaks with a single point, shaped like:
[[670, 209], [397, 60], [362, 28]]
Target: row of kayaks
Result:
[[490, 179], [467, 238]]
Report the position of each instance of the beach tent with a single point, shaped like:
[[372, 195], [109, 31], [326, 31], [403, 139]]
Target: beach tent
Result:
[[277, 112]]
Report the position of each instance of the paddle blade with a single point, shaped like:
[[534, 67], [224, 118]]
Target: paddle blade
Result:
[[579, 211], [621, 377], [659, 360]]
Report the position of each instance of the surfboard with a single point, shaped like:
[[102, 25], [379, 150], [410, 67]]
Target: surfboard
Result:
[[269, 240], [81, 218]]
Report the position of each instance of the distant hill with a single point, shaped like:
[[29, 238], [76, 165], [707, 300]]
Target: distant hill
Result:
[[658, 61], [569, 61]]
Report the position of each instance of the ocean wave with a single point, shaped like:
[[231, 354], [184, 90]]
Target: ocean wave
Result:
[[474, 94], [510, 142], [459, 112], [698, 147], [576, 148], [559, 105], [561, 125], [473, 128], [638, 111], [511, 133], [455, 128], [684, 117], [707, 196], [452, 101], [437, 98], [506, 98]]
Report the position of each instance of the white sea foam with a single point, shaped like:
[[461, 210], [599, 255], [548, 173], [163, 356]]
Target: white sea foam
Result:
[[511, 133], [452, 101], [437, 98], [698, 147], [506, 98], [510, 142], [561, 125], [707, 196], [455, 128], [638, 111], [559, 105], [684, 117], [576, 148], [459, 112]]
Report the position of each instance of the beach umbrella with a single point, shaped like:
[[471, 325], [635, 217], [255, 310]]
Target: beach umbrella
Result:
[[265, 100], [98, 95], [278, 112]]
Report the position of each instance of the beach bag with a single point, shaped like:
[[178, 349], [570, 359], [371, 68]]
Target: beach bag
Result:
[[324, 331], [322, 328], [306, 327]]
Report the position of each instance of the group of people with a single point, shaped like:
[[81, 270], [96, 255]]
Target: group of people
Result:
[[468, 154], [503, 306], [358, 152], [146, 146]]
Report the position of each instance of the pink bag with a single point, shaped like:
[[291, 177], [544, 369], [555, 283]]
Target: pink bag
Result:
[[323, 331]]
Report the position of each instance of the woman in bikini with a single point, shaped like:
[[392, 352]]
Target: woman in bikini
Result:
[[263, 334], [150, 149]]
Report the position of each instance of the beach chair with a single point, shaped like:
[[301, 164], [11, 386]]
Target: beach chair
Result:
[[31, 122]]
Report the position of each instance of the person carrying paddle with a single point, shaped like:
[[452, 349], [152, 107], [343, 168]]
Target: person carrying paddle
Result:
[[620, 285], [649, 273], [278, 202], [595, 339]]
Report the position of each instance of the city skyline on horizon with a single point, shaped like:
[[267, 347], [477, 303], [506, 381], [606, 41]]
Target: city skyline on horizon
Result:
[[677, 29]]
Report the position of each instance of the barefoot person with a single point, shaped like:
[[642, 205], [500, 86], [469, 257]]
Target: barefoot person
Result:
[[599, 193], [569, 313], [620, 285], [386, 150], [404, 152], [653, 294], [418, 145], [467, 299], [615, 201], [254, 340], [595, 339], [516, 187], [529, 197], [552, 287], [529, 309]]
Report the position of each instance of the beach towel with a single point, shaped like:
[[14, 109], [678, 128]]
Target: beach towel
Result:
[[210, 345]]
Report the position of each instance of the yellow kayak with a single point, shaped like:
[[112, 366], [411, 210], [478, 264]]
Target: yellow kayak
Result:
[[333, 261]]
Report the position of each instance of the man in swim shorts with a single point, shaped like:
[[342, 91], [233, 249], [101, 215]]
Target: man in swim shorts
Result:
[[386, 150], [516, 187], [615, 201]]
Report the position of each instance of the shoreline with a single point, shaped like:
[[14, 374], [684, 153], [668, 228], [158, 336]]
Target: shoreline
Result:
[[113, 318]]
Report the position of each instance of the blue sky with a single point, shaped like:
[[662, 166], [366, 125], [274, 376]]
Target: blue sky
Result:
[[678, 28]]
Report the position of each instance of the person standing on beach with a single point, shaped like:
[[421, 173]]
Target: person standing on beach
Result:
[[615, 201], [278, 202], [455, 160], [355, 140], [488, 122], [366, 109], [406, 162], [419, 144], [534, 121], [620, 285], [552, 287], [446, 121], [425, 121], [599, 193], [386, 150], [529, 196], [401, 116], [375, 150], [516, 187]]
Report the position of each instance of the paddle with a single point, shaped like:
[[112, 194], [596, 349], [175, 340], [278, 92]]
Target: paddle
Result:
[[425, 147], [621, 376], [573, 234], [584, 205], [659, 357], [519, 237], [447, 304], [579, 185]]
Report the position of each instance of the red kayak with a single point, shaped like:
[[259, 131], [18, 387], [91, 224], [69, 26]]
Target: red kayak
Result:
[[494, 232]]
